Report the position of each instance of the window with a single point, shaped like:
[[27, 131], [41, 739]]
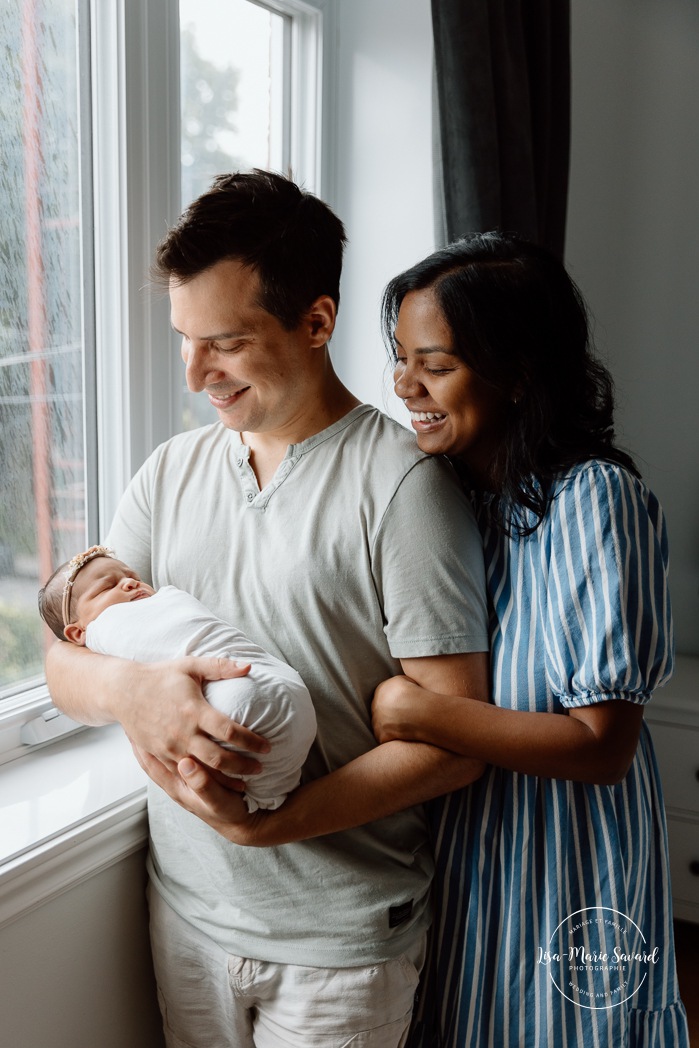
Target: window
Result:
[[248, 98], [233, 80], [97, 157], [232, 90], [46, 318]]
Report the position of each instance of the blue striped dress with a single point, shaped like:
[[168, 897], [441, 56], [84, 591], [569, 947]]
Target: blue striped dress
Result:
[[580, 615]]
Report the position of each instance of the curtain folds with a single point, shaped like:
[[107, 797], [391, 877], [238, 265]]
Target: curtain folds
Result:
[[503, 89]]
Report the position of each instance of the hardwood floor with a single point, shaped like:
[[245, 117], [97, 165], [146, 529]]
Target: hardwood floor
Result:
[[687, 951]]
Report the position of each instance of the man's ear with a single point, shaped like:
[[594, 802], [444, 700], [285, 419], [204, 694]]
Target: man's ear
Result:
[[321, 320], [74, 633]]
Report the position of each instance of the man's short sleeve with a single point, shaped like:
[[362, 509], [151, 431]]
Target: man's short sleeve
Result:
[[428, 567], [131, 532]]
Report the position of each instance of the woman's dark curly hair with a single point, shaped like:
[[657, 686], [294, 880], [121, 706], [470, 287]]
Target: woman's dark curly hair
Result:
[[519, 322]]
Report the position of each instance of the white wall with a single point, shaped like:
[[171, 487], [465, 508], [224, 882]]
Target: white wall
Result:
[[383, 170], [633, 228], [76, 972], [633, 245]]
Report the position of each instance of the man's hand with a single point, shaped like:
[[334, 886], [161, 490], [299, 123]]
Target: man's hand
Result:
[[164, 713], [160, 705], [194, 789]]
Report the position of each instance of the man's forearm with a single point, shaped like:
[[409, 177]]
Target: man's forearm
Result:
[[161, 705], [76, 679], [385, 780]]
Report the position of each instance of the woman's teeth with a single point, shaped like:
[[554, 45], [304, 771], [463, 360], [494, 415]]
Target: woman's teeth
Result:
[[426, 416]]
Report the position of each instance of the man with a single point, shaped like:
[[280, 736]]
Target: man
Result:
[[316, 525]]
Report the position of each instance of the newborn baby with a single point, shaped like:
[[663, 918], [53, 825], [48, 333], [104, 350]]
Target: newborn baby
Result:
[[97, 601]]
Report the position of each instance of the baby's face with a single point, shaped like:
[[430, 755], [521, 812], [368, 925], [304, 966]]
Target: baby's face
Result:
[[101, 583]]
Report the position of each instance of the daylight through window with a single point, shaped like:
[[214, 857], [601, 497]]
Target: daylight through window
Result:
[[234, 83], [42, 319]]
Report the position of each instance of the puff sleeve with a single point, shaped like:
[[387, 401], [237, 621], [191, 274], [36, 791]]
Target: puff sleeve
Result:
[[609, 622]]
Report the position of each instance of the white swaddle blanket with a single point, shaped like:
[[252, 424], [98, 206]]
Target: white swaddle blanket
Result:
[[271, 700]]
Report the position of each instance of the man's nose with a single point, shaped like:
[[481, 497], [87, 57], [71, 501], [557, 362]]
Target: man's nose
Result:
[[200, 365]]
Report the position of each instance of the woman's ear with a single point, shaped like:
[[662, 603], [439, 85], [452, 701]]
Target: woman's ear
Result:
[[74, 633]]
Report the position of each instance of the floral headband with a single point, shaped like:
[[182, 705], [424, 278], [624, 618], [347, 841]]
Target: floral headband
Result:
[[74, 567]]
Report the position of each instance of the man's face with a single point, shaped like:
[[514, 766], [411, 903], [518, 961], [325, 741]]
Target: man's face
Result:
[[256, 373]]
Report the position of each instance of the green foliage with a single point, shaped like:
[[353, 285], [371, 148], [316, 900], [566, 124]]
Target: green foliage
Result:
[[20, 644]]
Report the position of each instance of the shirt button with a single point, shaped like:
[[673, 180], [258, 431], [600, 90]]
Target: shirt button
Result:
[[250, 496]]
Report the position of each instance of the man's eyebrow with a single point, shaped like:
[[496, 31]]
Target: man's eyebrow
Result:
[[424, 350], [214, 338]]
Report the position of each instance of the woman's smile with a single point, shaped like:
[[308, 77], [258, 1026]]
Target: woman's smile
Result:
[[453, 411], [427, 421]]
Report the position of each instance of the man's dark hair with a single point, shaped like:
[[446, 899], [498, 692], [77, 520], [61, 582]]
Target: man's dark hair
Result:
[[289, 237], [519, 322]]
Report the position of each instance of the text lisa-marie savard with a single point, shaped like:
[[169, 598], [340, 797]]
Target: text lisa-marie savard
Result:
[[579, 955]]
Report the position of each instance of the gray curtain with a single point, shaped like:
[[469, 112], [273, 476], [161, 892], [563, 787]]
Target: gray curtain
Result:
[[502, 72]]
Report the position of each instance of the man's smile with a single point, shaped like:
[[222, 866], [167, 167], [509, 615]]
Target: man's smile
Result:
[[226, 400]]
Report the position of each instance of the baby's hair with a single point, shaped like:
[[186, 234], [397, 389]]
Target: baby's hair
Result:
[[51, 601], [54, 600]]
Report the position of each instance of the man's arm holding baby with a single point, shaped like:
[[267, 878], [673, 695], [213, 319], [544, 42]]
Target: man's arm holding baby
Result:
[[386, 779], [160, 705]]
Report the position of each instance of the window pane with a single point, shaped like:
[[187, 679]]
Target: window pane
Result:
[[231, 59], [232, 91], [42, 485]]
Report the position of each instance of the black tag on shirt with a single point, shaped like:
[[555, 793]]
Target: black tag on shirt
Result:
[[400, 914]]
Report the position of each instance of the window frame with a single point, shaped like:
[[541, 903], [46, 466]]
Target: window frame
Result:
[[134, 189]]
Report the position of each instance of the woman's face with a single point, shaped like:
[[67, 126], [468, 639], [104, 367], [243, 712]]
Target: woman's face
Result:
[[452, 410]]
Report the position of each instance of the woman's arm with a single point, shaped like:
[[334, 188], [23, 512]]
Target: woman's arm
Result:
[[593, 744], [160, 705]]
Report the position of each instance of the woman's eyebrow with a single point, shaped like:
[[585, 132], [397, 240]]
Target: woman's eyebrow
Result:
[[423, 350]]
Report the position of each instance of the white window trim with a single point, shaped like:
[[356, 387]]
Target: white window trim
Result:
[[136, 194], [136, 176], [101, 818], [313, 48]]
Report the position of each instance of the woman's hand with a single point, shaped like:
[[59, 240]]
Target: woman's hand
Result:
[[199, 792], [397, 710]]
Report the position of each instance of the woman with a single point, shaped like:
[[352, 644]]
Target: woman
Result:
[[553, 918]]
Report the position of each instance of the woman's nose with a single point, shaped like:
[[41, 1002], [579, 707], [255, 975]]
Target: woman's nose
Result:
[[129, 583], [405, 382]]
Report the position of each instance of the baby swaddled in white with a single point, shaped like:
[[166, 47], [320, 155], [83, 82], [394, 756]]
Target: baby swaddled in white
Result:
[[97, 601], [271, 700]]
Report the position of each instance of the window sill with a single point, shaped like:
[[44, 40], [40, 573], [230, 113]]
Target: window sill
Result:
[[67, 812]]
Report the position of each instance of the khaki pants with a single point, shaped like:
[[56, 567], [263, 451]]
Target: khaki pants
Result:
[[211, 999]]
